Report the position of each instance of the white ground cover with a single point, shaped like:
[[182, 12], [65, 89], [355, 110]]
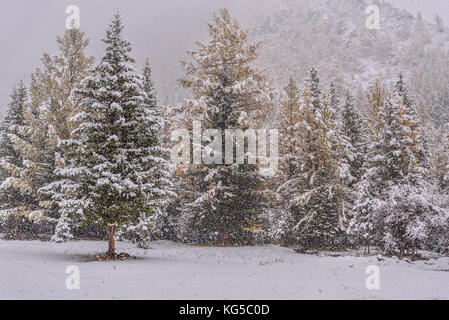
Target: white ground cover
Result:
[[37, 270]]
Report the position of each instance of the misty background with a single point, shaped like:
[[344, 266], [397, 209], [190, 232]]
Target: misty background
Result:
[[161, 30]]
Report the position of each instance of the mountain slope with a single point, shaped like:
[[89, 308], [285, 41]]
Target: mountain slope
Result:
[[331, 35]]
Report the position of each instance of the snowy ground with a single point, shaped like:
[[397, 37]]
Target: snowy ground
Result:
[[36, 270]]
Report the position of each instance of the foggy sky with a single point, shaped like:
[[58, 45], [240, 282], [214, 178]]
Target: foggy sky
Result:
[[161, 30]]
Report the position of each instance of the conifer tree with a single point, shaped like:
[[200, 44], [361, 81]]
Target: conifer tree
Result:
[[439, 23], [113, 175], [334, 102], [289, 160], [289, 117], [159, 181], [354, 143], [224, 201], [384, 214], [421, 143], [314, 195], [14, 196], [46, 118]]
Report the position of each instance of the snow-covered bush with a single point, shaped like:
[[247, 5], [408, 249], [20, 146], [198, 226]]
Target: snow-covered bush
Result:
[[407, 217]]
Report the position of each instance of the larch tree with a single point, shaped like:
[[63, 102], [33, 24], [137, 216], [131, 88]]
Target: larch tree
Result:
[[154, 167], [224, 201], [289, 119], [46, 118]]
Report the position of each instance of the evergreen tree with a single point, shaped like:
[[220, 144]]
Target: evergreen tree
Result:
[[289, 117], [334, 101], [439, 235], [420, 142], [224, 201], [157, 177], [354, 143], [14, 196], [315, 90], [289, 149], [402, 90], [113, 174], [314, 195], [439, 23], [47, 122], [391, 168]]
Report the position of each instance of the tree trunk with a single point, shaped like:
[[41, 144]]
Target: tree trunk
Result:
[[111, 238]]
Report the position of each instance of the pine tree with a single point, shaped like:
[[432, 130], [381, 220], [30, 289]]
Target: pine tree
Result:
[[314, 195], [113, 170], [14, 196], [392, 168], [334, 101], [441, 158], [420, 141], [156, 175], [289, 148], [289, 117], [354, 143], [315, 90], [224, 201], [439, 235], [439, 23]]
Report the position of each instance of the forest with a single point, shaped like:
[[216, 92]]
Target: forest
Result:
[[85, 154]]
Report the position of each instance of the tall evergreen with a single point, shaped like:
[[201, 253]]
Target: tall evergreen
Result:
[[315, 90], [314, 195], [334, 101], [113, 168], [385, 215], [354, 142], [421, 141], [290, 116], [151, 162]]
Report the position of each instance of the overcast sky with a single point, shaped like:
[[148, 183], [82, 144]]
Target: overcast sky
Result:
[[163, 29]]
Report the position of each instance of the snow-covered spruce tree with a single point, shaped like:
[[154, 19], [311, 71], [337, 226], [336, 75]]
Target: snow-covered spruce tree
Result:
[[440, 158], [168, 225], [315, 90], [334, 102], [228, 92], [289, 117], [46, 122], [353, 136], [352, 152], [314, 195], [159, 186], [14, 196], [421, 143], [439, 237], [384, 216], [113, 174]]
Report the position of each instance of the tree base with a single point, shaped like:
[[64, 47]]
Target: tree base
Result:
[[113, 257]]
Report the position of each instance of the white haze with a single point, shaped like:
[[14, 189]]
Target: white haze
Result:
[[160, 29]]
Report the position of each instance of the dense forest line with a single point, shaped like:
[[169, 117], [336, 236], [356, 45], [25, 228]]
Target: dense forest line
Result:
[[86, 153]]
